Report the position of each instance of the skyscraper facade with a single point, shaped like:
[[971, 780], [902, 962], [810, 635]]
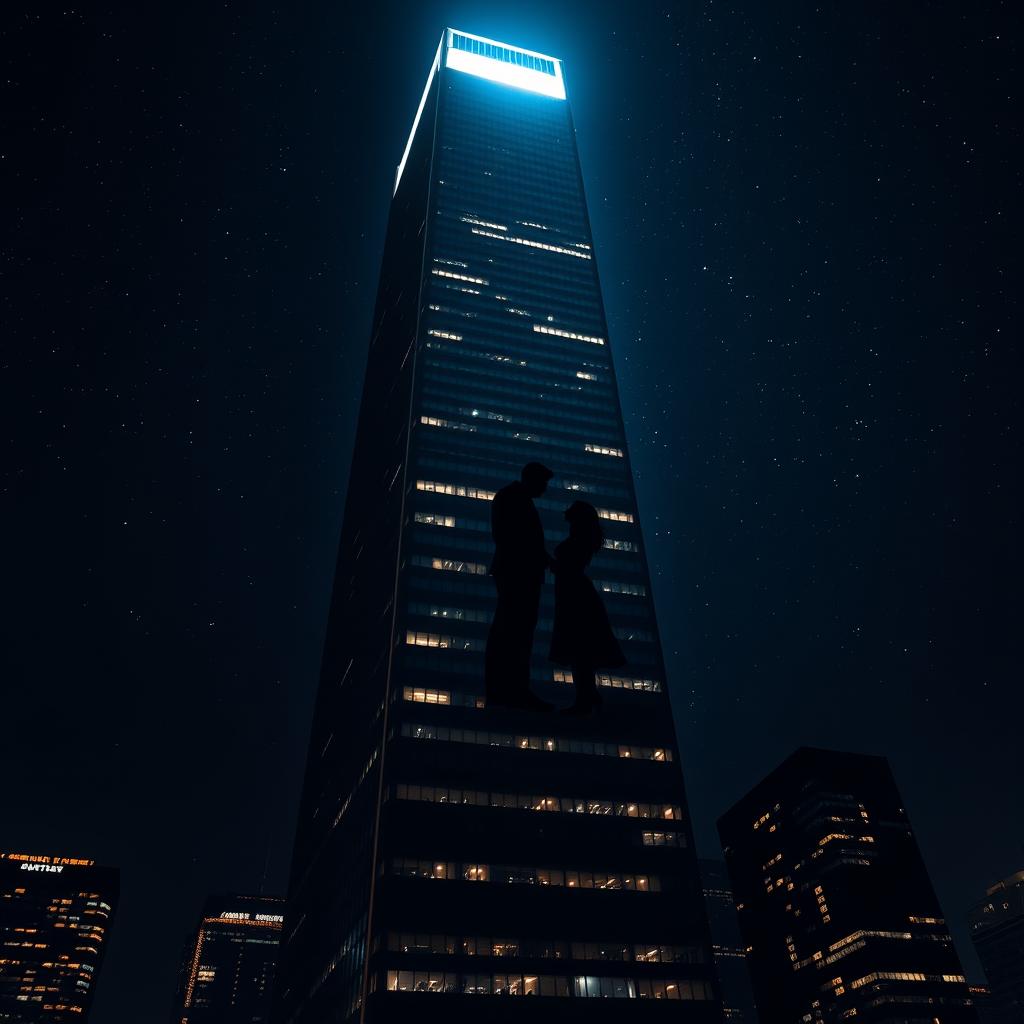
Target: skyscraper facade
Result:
[[55, 918], [452, 859], [835, 904], [727, 945], [997, 930], [227, 971]]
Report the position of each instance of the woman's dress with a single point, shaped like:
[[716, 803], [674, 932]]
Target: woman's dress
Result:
[[582, 634]]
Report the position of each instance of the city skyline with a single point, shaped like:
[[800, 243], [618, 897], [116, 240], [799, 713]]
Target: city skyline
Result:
[[804, 240]]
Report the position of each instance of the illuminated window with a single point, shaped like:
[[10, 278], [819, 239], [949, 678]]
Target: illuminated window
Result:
[[438, 272], [598, 449], [504, 874], [616, 587], [449, 565], [615, 682], [593, 339], [618, 545], [550, 744], [433, 421], [663, 839], [466, 219], [532, 244], [442, 640], [430, 519], [458, 490], [532, 802]]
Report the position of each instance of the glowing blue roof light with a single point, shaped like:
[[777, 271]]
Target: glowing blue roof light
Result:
[[509, 65], [497, 62]]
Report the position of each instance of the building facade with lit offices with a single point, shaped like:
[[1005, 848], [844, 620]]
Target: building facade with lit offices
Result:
[[55, 919], [228, 967], [835, 905], [454, 860]]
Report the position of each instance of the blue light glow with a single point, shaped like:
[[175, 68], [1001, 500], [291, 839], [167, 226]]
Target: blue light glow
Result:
[[419, 113], [508, 65]]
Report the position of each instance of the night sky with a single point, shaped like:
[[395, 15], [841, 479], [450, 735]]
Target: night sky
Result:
[[807, 223]]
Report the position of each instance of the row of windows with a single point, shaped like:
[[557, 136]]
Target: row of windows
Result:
[[502, 472], [500, 342], [505, 874], [520, 435], [449, 642], [472, 370], [444, 641], [531, 243], [571, 292], [480, 593], [870, 979], [466, 544], [474, 217], [545, 985], [473, 445], [540, 415], [482, 526], [663, 839], [552, 744], [502, 53], [559, 332], [434, 611], [614, 682], [422, 695], [478, 568], [449, 565], [543, 949], [483, 381], [468, 491], [519, 801], [548, 192]]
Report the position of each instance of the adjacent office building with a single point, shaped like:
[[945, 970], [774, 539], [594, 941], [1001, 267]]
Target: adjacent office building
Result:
[[997, 929], [727, 944], [55, 917], [451, 859], [228, 968], [835, 904]]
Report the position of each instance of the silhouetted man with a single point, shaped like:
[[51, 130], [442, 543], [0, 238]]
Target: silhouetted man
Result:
[[520, 559]]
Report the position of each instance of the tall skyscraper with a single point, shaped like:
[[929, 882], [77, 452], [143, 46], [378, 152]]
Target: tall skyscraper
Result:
[[446, 850], [997, 930], [227, 971], [55, 917], [835, 904], [727, 945]]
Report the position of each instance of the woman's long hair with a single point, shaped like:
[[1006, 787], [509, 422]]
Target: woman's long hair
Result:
[[585, 525]]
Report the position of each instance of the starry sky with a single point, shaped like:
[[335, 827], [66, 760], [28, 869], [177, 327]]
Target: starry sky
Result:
[[806, 221]]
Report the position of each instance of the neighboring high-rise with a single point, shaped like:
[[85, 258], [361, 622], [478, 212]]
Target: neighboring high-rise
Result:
[[835, 904], [445, 850], [55, 916], [997, 929], [227, 971], [727, 944]]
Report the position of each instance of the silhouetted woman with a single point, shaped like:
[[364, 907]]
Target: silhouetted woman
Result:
[[582, 637]]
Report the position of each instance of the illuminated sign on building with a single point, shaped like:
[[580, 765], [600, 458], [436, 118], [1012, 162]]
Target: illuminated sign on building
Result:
[[236, 915], [43, 861]]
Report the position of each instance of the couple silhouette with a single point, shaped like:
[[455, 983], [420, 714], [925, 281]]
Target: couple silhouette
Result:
[[582, 637]]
